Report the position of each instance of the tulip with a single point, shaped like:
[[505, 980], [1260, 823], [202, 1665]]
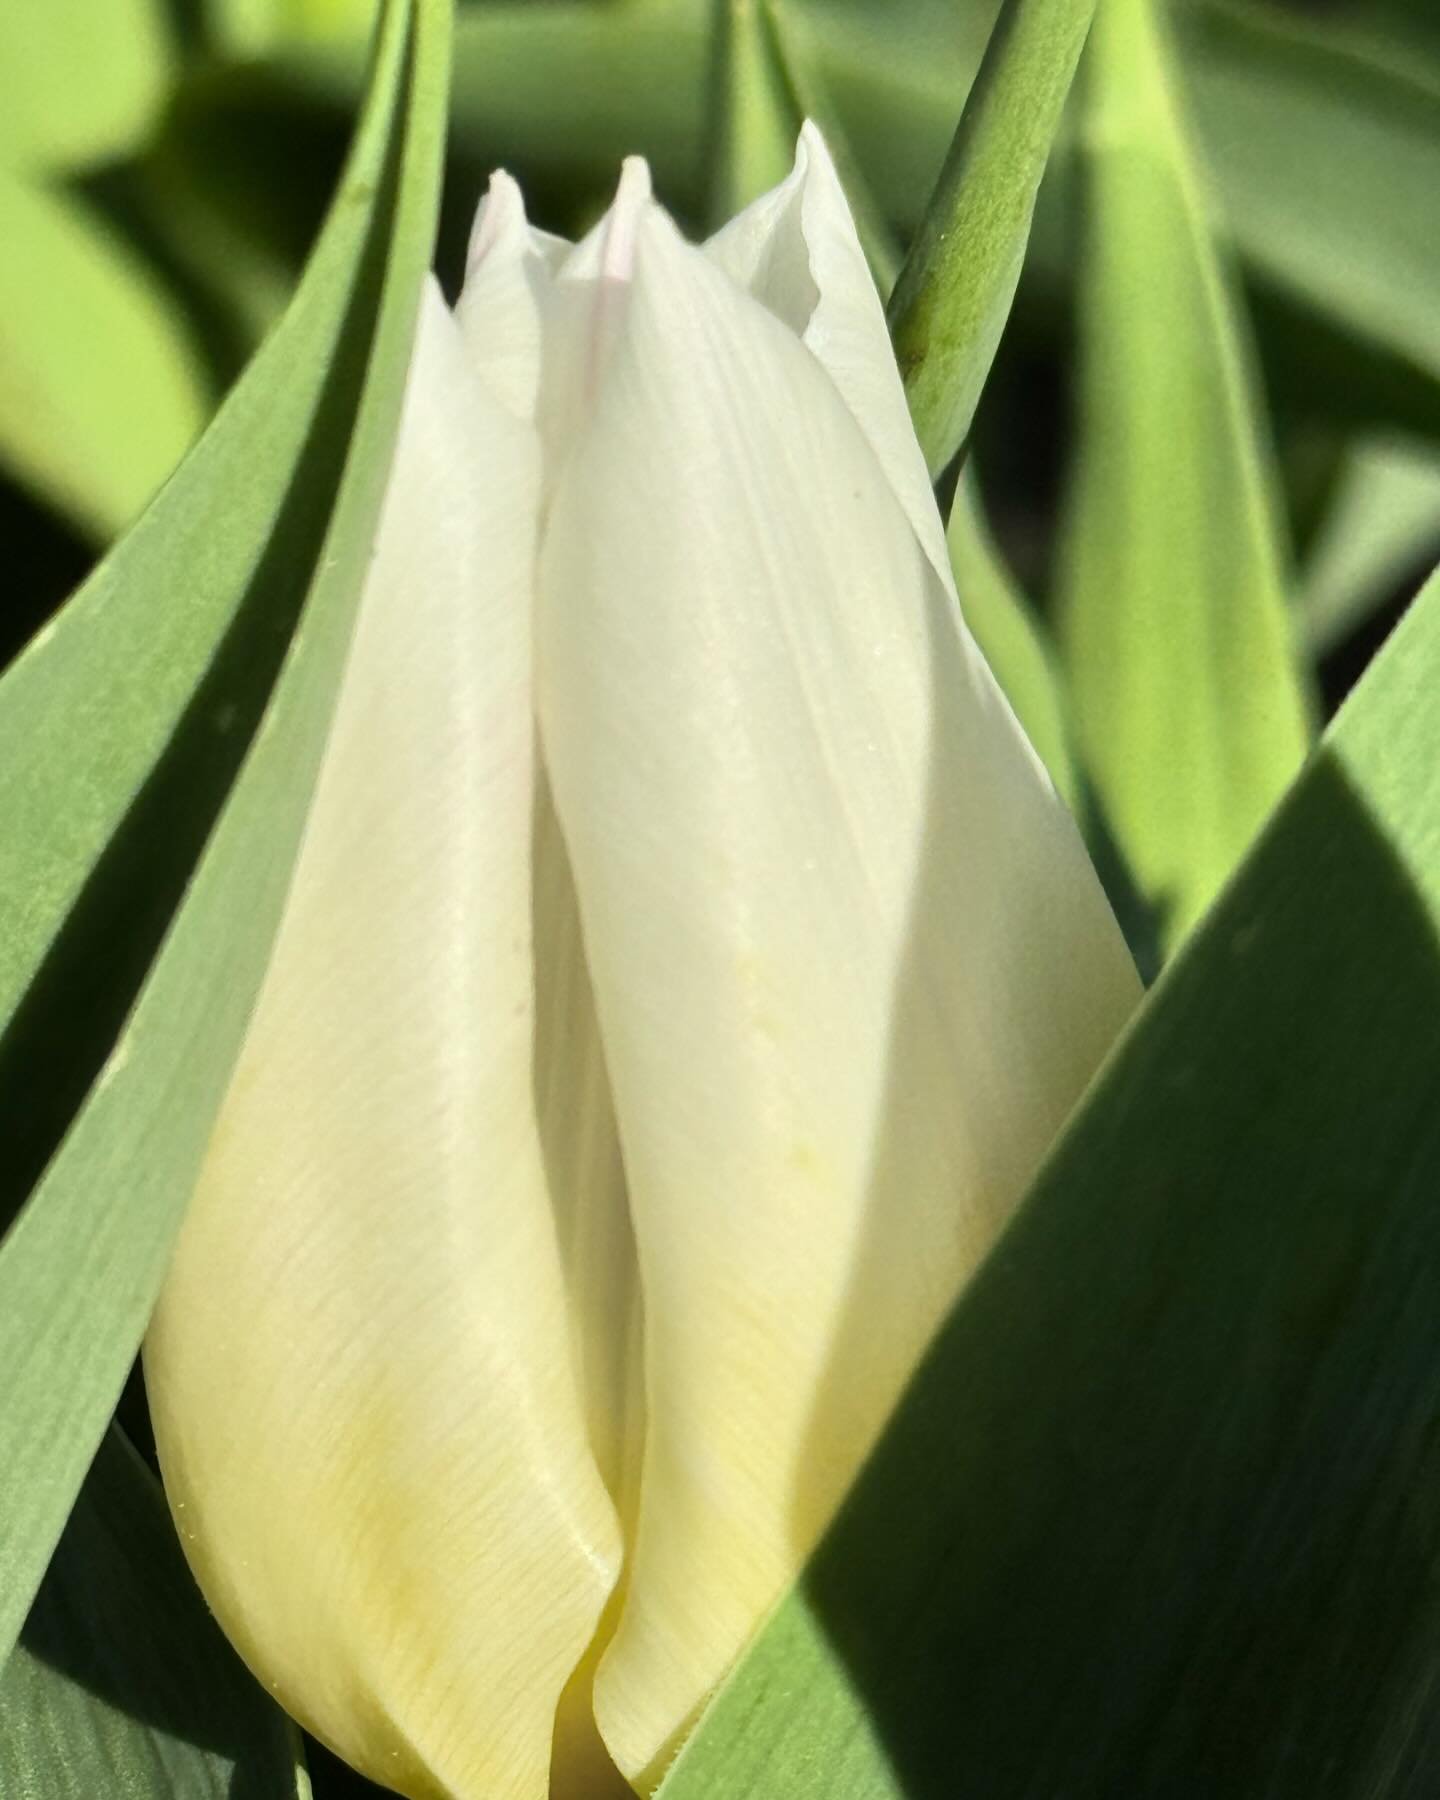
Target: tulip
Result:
[[686, 966]]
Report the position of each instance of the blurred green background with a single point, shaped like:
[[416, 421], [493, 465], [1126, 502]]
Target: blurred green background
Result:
[[164, 163]]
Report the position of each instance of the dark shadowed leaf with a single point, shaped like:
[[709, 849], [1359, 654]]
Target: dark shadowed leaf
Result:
[[1159, 1515], [121, 1685]]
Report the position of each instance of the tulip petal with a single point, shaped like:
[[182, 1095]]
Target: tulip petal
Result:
[[586, 1172], [360, 1370], [525, 291], [533, 315], [796, 250], [498, 311], [851, 964]]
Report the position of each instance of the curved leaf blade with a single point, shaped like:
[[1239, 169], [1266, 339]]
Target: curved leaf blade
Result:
[[121, 1683], [117, 801], [1190, 708]]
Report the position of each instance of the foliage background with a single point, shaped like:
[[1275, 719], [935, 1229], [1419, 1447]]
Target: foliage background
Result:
[[165, 163]]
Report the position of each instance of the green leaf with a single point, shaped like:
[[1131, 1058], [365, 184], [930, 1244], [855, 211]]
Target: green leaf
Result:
[[1159, 1514], [954, 291], [1190, 708], [1013, 640], [1326, 143], [157, 749], [101, 391], [121, 1684], [1383, 522], [83, 82]]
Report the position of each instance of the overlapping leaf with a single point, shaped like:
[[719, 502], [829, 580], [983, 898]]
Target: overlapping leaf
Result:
[[157, 746], [121, 1684], [1159, 1514]]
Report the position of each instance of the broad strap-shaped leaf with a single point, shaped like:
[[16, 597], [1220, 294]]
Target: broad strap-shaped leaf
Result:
[[1158, 1515], [1188, 699], [179, 667], [953, 294], [121, 1683], [101, 386]]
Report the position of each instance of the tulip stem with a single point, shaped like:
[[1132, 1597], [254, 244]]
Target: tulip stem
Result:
[[955, 290]]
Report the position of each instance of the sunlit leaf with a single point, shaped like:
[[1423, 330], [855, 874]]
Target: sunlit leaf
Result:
[[1188, 699], [101, 390], [254, 28], [82, 82], [171, 676], [1383, 522]]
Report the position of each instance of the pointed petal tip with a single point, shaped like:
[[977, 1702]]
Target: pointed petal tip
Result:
[[634, 195], [810, 142], [816, 166], [499, 217]]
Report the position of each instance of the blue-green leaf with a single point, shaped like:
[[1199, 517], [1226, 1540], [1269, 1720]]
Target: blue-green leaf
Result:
[[157, 747], [121, 1684]]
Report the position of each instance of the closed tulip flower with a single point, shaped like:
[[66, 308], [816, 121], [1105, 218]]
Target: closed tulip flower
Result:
[[687, 964]]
